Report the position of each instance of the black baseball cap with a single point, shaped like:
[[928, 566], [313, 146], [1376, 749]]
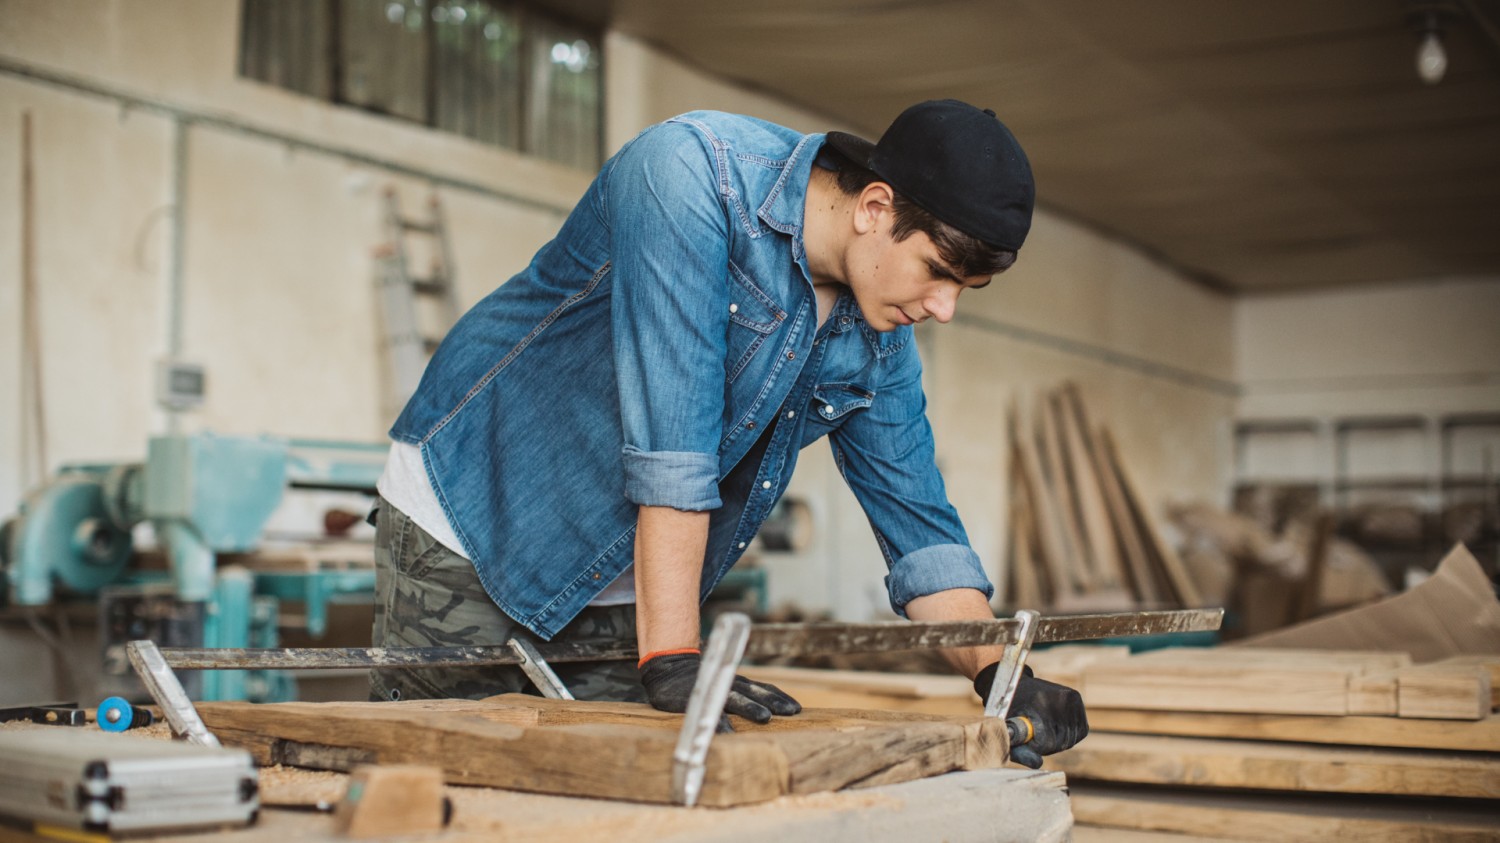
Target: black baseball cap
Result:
[[956, 162]]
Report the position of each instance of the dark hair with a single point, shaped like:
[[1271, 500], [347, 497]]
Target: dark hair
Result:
[[967, 255]]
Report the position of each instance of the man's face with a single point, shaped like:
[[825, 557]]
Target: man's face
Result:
[[906, 282]]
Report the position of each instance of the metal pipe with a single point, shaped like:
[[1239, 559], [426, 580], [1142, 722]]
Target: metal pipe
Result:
[[234, 125]]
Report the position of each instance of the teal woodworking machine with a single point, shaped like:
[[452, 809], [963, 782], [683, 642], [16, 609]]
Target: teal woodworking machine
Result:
[[203, 495]]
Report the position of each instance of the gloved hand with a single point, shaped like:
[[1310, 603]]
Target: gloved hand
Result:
[[669, 681], [1056, 714]]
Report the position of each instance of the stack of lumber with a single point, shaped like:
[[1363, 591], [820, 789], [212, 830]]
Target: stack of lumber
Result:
[[1081, 536], [1256, 743]]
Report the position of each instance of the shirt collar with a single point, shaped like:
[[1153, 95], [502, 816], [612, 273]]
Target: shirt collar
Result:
[[784, 208]]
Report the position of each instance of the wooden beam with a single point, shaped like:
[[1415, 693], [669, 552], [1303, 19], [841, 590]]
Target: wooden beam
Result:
[[1059, 490], [1261, 765], [1479, 736], [1226, 686], [1171, 565], [1444, 691], [1089, 496], [1491, 663], [1027, 591], [1143, 580], [1049, 533], [1277, 817], [610, 750]]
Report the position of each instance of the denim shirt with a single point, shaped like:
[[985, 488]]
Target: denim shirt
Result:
[[664, 349]]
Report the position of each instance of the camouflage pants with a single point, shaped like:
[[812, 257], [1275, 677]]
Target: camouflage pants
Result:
[[428, 596]]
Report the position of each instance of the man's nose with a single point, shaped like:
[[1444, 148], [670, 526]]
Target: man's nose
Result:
[[942, 303]]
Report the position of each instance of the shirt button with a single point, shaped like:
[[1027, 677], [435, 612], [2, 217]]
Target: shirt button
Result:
[[742, 545], [791, 414], [596, 575], [734, 308], [791, 355], [766, 485], [750, 425], [844, 320], [827, 409]]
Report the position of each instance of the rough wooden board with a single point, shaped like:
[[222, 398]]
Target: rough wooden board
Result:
[[1023, 562], [904, 685], [990, 806], [386, 800], [1262, 765], [1444, 691], [1133, 548], [1226, 686], [1481, 736], [1355, 661], [980, 742], [813, 695], [1490, 663], [1171, 565], [1088, 497], [1065, 664], [1051, 543], [1373, 694], [606, 759], [1278, 817], [1057, 488]]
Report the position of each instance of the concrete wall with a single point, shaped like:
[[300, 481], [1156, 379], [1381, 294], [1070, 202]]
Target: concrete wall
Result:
[[1427, 349], [282, 209]]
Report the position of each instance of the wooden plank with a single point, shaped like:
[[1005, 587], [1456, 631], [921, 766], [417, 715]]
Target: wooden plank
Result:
[[906, 685], [1138, 564], [1373, 694], [1049, 534], [1260, 765], [1166, 684], [1491, 663], [1088, 496], [1355, 661], [1176, 573], [606, 761], [1278, 817], [391, 800], [1024, 569], [1065, 664], [1058, 489], [1480, 736], [1444, 691], [614, 750]]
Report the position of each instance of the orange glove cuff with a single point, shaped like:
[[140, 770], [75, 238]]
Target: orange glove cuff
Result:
[[679, 651]]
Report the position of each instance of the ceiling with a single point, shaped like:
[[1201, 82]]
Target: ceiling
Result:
[[1256, 145]]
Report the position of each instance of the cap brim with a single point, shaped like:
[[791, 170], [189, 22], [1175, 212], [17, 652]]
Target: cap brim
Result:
[[853, 147]]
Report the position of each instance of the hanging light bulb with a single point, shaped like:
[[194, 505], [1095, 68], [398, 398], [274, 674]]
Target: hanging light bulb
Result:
[[1432, 59]]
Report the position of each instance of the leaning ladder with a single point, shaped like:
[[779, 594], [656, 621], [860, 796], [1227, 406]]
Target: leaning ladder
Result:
[[409, 339]]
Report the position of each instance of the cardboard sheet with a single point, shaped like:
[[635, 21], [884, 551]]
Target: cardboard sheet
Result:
[[1453, 613]]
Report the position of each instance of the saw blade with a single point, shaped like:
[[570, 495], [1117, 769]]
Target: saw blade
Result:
[[766, 641]]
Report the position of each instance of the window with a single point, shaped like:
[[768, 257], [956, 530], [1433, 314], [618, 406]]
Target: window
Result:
[[497, 71]]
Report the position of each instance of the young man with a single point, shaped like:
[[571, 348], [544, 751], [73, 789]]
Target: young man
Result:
[[595, 443]]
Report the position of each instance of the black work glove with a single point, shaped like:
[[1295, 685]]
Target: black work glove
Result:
[[669, 682], [1055, 711]]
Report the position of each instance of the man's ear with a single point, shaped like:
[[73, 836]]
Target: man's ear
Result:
[[874, 203]]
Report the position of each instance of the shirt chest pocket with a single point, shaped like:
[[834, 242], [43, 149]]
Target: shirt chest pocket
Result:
[[753, 319], [833, 404]]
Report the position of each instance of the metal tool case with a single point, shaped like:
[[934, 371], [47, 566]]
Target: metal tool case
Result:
[[118, 783]]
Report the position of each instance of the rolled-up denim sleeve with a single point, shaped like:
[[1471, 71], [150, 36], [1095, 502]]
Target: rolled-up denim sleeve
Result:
[[886, 455], [669, 253]]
